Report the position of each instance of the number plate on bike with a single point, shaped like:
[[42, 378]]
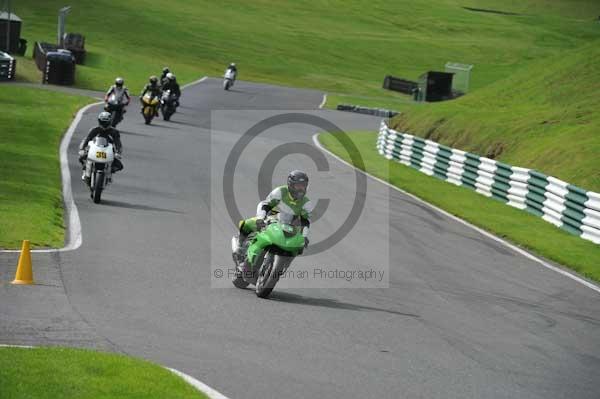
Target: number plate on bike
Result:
[[100, 154]]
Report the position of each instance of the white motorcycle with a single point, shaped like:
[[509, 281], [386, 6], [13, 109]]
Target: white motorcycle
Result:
[[167, 104], [228, 80], [116, 107], [98, 173]]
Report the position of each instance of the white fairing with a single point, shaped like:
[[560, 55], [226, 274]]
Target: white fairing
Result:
[[117, 97], [113, 99], [229, 74], [234, 244], [100, 151]]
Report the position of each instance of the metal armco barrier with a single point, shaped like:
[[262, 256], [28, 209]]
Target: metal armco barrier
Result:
[[562, 204], [39, 53]]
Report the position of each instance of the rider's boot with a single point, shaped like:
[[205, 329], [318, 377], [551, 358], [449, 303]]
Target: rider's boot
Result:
[[241, 239], [247, 272]]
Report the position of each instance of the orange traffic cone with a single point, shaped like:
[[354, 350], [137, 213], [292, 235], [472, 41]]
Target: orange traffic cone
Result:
[[24, 273]]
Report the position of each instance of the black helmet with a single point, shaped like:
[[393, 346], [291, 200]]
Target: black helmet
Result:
[[153, 80], [297, 183], [232, 65], [166, 70], [119, 82], [104, 119]]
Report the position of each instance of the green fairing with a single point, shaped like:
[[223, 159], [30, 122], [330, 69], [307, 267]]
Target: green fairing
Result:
[[249, 225], [273, 235]]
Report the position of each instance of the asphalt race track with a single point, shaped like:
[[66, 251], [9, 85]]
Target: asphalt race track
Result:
[[463, 317]]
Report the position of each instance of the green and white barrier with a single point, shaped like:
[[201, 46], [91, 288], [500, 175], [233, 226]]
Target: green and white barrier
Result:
[[562, 204]]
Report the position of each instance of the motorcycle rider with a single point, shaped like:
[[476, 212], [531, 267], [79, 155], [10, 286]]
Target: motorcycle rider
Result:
[[153, 87], [104, 129], [120, 91], [171, 84], [233, 68], [163, 76], [291, 198]]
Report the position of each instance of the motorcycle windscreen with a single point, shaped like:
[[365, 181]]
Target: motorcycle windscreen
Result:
[[289, 223], [101, 141]]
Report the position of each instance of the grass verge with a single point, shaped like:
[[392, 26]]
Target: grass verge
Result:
[[519, 227], [342, 46], [32, 123], [77, 373], [543, 117], [394, 103]]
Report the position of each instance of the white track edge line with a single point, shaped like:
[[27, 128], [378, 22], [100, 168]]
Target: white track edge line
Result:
[[324, 101], [202, 387], [464, 222], [185, 86], [73, 233]]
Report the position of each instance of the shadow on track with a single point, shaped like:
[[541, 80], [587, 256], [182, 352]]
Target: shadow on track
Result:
[[126, 133], [186, 124], [153, 124], [330, 303], [126, 205], [239, 91]]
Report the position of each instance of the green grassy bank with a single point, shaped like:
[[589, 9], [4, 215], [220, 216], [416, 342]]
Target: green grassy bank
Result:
[[32, 123], [519, 227], [74, 373]]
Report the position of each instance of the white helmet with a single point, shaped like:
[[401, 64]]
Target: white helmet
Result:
[[119, 81], [170, 76], [104, 119]]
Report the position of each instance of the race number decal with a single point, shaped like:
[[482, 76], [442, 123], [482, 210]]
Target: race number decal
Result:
[[100, 154]]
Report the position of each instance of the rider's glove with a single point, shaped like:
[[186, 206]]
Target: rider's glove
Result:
[[118, 155], [81, 154]]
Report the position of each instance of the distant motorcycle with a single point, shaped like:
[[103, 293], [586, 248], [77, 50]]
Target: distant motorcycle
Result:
[[98, 172], [282, 239], [116, 107], [149, 105], [168, 104], [228, 79]]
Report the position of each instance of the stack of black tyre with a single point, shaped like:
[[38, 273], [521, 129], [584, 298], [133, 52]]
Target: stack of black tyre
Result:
[[57, 65], [75, 43], [8, 66]]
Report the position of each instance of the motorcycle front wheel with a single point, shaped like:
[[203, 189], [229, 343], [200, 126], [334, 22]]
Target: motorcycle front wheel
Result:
[[148, 114], [166, 114], [98, 186]]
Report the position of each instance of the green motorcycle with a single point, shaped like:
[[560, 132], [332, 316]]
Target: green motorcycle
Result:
[[273, 248]]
